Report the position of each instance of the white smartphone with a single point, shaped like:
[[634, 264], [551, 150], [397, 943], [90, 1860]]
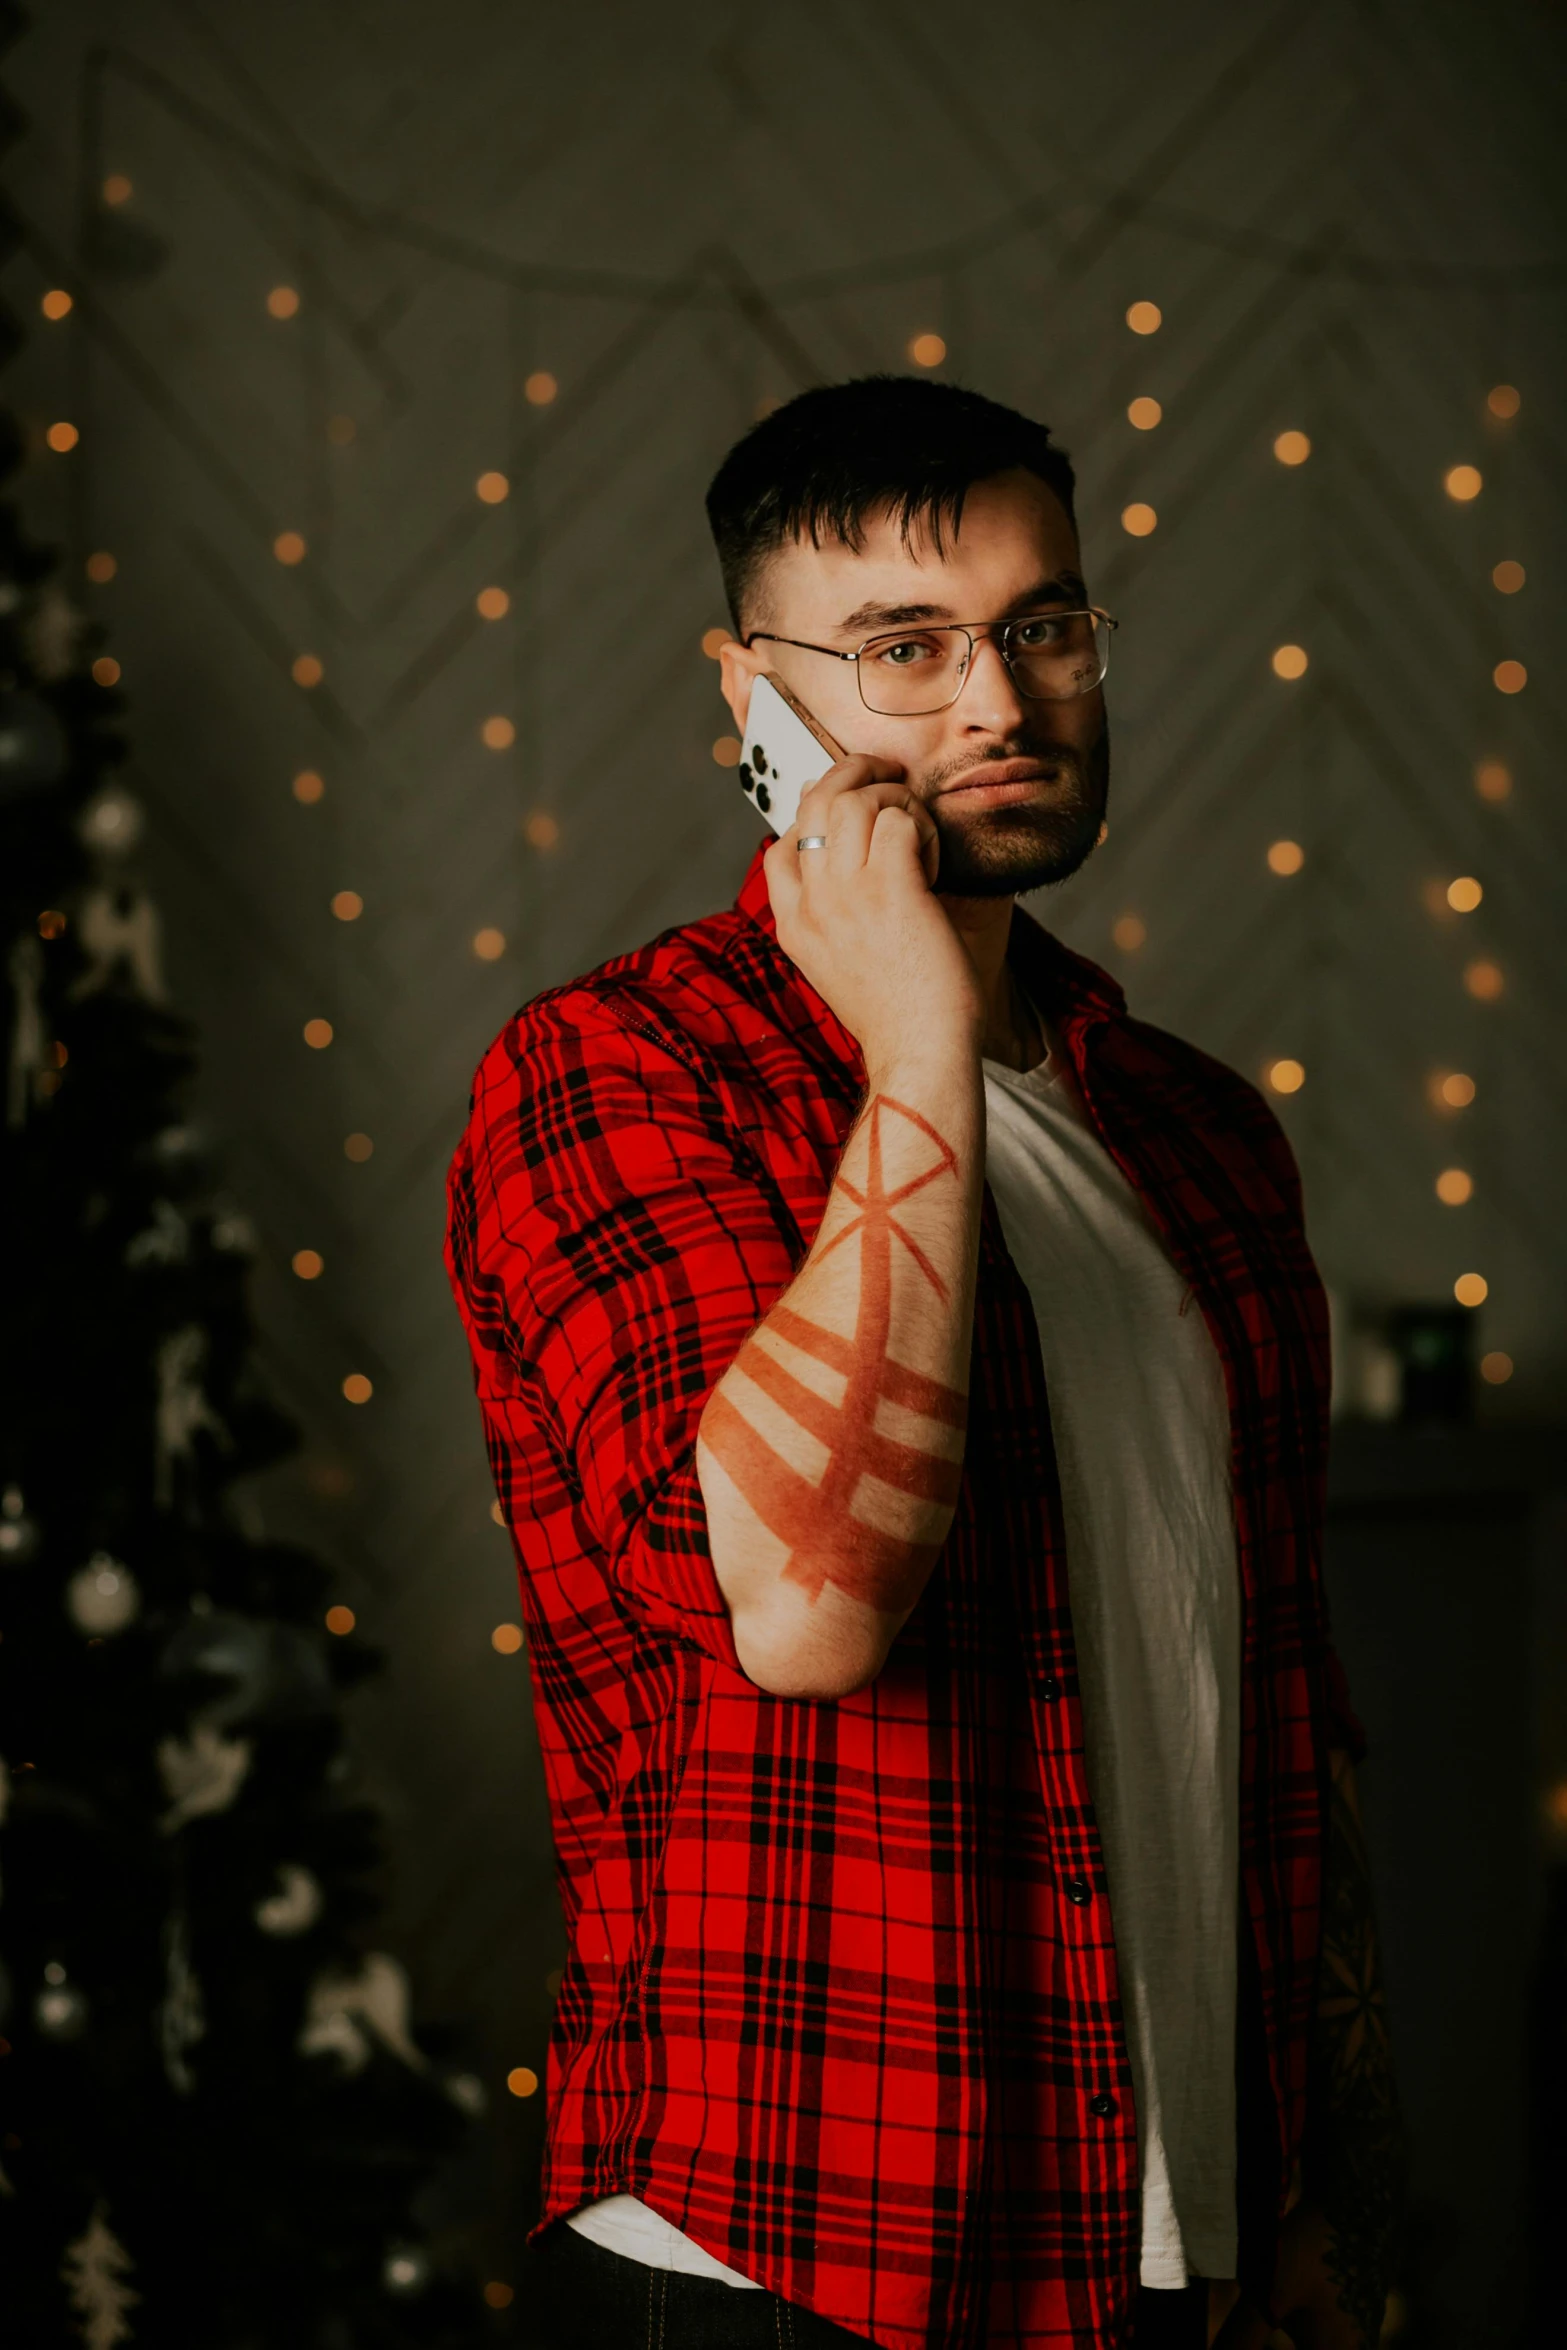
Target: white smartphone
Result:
[[784, 750]]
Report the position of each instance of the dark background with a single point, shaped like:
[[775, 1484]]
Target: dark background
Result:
[[1350, 217]]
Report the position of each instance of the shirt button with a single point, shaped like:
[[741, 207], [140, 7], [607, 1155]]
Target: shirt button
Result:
[[1078, 1890], [1102, 2106], [1050, 1689]]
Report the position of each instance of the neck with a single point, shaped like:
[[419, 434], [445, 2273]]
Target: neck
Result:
[[1012, 1035]]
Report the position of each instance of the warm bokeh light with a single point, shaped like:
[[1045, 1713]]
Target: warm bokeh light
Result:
[[57, 303], [493, 489], [1462, 482], [1129, 932], [1145, 412], [1471, 1289], [308, 670], [726, 751], [497, 2295], [357, 1147], [1286, 1076], [1145, 318], [540, 830], [101, 567], [1509, 677], [1286, 856], [106, 670], [117, 189], [357, 1388], [497, 1514], [283, 302], [289, 547], [1494, 781], [51, 923], [1484, 979], [318, 1034], [1496, 1369], [62, 437], [497, 734], [1292, 448], [340, 1620], [308, 1263], [489, 945], [348, 905], [506, 1639], [927, 350], [1503, 400], [1450, 1089], [1139, 520], [714, 641], [1508, 578], [1290, 661], [492, 603], [1464, 894], [540, 388], [522, 2080], [1455, 1187], [308, 787]]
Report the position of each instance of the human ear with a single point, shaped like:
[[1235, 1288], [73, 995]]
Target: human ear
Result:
[[738, 667]]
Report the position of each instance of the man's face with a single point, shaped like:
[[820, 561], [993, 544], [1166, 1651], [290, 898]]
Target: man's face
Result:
[[1016, 788]]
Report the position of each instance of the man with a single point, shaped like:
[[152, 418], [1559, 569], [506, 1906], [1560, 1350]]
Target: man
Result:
[[905, 1379]]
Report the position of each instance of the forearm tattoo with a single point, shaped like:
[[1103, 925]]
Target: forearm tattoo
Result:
[[1354, 2156], [886, 1440]]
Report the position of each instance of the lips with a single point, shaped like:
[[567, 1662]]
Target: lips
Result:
[[993, 774]]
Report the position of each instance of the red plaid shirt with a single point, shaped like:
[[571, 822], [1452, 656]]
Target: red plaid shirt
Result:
[[827, 2006]]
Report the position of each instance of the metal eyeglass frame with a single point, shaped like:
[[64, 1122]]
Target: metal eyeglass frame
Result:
[[971, 629]]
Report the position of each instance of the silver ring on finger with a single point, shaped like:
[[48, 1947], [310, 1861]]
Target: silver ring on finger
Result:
[[811, 840]]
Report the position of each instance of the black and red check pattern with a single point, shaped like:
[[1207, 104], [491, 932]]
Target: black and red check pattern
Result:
[[830, 2006]]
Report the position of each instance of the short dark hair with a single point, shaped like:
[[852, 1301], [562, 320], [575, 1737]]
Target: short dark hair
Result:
[[820, 466]]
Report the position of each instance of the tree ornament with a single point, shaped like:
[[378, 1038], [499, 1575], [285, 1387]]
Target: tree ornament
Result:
[[182, 2019], [29, 1054], [345, 2010], [274, 1672], [111, 823], [182, 1407], [295, 1906], [60, 2009], [53, 627], [232, 1231], [165, 1241], [407, 2269], [202, 1773], [18, 1532], [93, 2272], [467, 2093], [119, 931], [103, 1597], [33, 746]]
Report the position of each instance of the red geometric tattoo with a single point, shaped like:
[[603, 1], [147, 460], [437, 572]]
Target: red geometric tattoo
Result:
[[827, 1541]]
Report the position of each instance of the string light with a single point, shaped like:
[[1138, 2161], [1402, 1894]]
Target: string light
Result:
[[489, 945], [540, 388], [927, 350], [497, 1514], [1484, 980], [340, 1620], [522, 2080], [1493, 781], [357, 1388], [1464, 894], [1455, 1187], [101, 567], [308, 670], [1450, 1089], [726, 751], [1462, 483], [714, 641], [1129, 932], [308, 1263], [1508, 578], [51, 923], [1138, 520], [1290, 661], [497, 2295], [308, 787], [1496, 1369], [506, 1639], [117, 189], [1292, 448], [1286, 856], [357, 1147], [497, 734], [318, 1034], [283, 302], [540, 830], [62, 437], [1285, 1076], [492, 489], [289, 547], [1471, 1289], [348, 905], [492, 603], [57, 303], [1145, 318], [1509, 677], [105, 670], [1144, 412], [1503, 400]]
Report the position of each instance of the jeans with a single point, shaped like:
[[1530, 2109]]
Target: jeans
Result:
[[577, 2296]]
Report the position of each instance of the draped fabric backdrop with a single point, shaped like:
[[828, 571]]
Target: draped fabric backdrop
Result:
[[371, 255]]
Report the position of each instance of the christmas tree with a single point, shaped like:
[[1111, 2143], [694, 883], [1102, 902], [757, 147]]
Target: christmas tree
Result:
[[218, 2127]]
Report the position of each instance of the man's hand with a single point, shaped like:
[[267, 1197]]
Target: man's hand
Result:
[[860, 920]]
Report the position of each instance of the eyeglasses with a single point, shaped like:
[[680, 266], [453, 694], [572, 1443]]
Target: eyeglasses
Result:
[[913, 672]]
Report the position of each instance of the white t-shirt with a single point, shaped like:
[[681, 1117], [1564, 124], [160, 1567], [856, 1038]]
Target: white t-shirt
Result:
[[1142, 1438]]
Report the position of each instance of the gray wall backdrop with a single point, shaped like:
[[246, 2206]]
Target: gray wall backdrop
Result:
[[1349, 216]]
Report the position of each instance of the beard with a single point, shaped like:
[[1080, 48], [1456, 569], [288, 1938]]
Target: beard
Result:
[[1001, 852]]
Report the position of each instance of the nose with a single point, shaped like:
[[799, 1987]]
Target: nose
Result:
[[991, 702]]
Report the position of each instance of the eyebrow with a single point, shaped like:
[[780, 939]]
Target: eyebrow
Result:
[[1066, 587]]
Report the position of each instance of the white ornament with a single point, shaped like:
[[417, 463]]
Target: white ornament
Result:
[[119, 929], [182, 1407], [407, 2269], [93, 2272], [29, 1056], [103, 1597], [294, 1907], [202, 1774], [111, 822], [60, 2010], [344, 2011]]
